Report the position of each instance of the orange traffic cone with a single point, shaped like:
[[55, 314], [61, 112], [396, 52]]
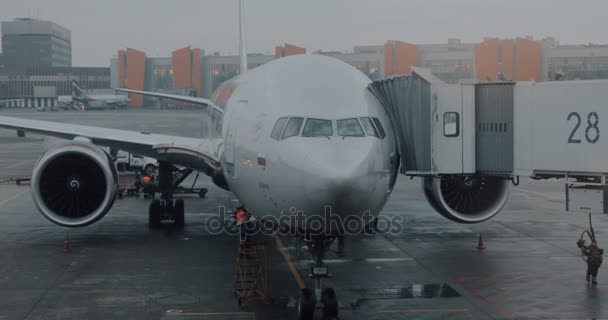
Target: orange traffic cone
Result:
[[66, 244], [480, 245]]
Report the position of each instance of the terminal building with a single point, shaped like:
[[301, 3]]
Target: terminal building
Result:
[[30, 43], [36, 64], [493, 59]]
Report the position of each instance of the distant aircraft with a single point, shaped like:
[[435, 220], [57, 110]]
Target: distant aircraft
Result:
[[98, 101]]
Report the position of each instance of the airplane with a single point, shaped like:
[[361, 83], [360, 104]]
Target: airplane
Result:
[[98, 101], [299, 132], [302, 132]]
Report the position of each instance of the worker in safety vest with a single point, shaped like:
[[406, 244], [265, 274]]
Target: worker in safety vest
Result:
[[147, 186], [246, 222], [593, 256], [241, 215]]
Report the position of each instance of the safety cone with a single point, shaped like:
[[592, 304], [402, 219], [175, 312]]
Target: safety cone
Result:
[[480, 245], [66, 243]]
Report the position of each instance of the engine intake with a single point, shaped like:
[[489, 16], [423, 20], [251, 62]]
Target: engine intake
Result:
[[466, 199], [74, 183]]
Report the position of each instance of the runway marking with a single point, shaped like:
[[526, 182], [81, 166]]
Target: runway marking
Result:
[[427, 311], [14, 197], [526, 285], [371, 260], [508, 280], [563, 303], [472, 291], [519, 300], [208, 314], [294, 271]]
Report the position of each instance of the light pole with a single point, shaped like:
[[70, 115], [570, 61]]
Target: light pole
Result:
[[242, 50]]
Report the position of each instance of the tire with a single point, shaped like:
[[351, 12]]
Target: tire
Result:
[[154, 214], [306, 305], [330, 304], [149, 170], [178, 213]]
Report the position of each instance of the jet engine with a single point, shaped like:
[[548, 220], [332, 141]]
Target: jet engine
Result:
[[466, 199], [74, 183]]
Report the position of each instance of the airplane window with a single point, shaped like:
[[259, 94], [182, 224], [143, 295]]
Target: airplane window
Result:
[[369, 127], [350, 128], [380, 128], [318, 128], [293, 127], [278, 128]]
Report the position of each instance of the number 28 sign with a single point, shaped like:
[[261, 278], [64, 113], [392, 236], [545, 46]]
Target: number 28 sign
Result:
[[590, 130]]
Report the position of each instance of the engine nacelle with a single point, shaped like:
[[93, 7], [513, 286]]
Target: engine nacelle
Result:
[[466, 199], [74, 183]]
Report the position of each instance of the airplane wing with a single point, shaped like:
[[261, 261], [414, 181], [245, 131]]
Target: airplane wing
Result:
[[201, 101], [198, 154]]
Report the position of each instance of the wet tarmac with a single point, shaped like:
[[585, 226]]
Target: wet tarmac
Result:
[[118, 268]]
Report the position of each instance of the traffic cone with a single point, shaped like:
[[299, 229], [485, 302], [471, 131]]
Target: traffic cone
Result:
[[480, 245], [66, 244]]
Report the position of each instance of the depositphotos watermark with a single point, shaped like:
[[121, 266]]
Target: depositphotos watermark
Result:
[[295, 222]]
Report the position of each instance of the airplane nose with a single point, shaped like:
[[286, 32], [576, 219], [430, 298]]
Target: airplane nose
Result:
[[342, 176]]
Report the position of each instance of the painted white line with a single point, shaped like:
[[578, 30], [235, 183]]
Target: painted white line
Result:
[[388, 259], [369, 260]]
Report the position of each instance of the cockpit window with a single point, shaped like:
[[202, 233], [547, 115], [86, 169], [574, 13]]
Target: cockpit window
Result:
[[380, 128], [350, 128], [369, 127], [318, 128], [293, 127], [278, 128]]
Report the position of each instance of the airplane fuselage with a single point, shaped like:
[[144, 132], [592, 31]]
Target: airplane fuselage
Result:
[[331, 161]]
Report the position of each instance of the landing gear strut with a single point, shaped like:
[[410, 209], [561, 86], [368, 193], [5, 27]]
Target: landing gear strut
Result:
[[318, 247], [167, 208]]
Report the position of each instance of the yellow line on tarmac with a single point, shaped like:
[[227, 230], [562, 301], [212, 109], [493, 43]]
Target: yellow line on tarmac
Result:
[[294, 272], [3, 202], [209, 314], [426, 311]]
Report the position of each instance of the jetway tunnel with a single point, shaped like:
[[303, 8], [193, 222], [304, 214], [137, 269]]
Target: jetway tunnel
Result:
[[483, 135]]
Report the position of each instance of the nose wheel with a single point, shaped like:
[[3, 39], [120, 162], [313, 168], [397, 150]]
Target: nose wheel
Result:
[[319, 271], [306, 305]]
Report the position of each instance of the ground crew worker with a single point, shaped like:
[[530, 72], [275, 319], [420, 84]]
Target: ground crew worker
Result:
[[241, 217], [148, 186], [593, 255], [246, 222]]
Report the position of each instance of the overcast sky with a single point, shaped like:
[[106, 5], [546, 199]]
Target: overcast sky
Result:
[[158, 27]]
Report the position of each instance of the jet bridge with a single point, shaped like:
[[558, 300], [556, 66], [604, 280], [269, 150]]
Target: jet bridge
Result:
[[468, 140]]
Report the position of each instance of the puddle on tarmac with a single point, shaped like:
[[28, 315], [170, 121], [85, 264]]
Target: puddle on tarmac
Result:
[[413, 291]]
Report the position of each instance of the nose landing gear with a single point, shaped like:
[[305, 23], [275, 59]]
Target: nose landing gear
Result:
[[327, 296]]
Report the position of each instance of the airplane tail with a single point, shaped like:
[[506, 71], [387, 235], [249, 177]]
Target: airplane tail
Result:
[[76, 91]]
